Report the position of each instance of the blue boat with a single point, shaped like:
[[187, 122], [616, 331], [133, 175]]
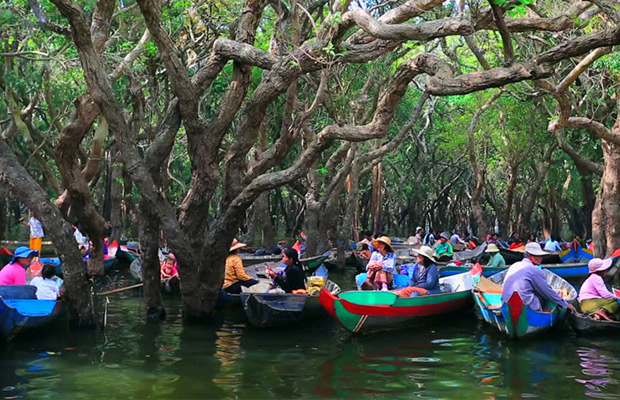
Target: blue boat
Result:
[[20, 310], [566, 271], [576, 255], [513, 317], [108, 264]]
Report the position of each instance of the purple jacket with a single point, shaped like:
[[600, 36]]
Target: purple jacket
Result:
[[533, 288]]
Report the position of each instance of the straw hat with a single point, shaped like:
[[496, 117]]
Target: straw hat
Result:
[[236, 245], [534, 249], [425, 251], [491, 248], [443, 236], [596, 264], [385, 240]]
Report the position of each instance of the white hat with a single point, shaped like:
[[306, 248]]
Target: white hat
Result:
[[418, 228], [534, 249], [491, 248], [425, 251]]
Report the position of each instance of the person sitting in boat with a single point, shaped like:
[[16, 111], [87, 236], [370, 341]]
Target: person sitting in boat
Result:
[[423, 276], [381, 266], [428, 239], [514, 242], [532, 239], [552, 244], [366, 239], [47, 289], [497, 260], [291, 278], [169, 267], [235, 276], [526, 279], [577, 243], [416, 240], [14, 273], [444, 250], [594, 297], [456, 241], [274, 251], [365, 252]]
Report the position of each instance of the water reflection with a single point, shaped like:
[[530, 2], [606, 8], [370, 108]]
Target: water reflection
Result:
[[598, 367]]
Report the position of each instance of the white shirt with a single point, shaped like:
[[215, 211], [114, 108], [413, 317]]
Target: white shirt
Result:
[[36, 228], [47, 289]]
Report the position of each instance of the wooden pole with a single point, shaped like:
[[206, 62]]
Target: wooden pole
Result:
[[120, 289]]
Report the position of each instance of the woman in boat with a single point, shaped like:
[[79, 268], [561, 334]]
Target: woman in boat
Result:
[[47, 289], [169, 267], [235, 276], [497, 260], [423, 277], [381, 266], [14, 273], [594, 297], [444, 250], [291, 278]]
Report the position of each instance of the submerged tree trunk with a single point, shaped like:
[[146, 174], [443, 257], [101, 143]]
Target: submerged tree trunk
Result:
[[149, 239], [23, 186]]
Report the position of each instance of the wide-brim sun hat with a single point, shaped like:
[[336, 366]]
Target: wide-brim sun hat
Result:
[[534, 249], [425, 251], [236, 245], [24, 252], [419, 228], [443, 235], [597, 264], [385, 240], [492, 248]]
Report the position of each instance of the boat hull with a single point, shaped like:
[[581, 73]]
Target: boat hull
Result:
[[514, 318], [568, 270], [584, 324], [19, 312]]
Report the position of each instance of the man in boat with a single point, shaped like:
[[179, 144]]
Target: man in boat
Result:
[[524, 277], [497, 260], [235, 276], [444, 250], [14, 273]]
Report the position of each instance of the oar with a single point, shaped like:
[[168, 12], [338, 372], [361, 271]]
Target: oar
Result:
[[120, 289]]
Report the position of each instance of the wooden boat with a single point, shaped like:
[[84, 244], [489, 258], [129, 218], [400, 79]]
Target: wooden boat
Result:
[[367, 311], [584, 324], [568, 270], [513, 317], [515, 255], [351, 261], [576, 255], [279, 309], [47, 248], [250, 259], [109, 263], [20, 310], [167, 286]]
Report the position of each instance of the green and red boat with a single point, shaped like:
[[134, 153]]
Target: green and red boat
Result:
[[367, 311]]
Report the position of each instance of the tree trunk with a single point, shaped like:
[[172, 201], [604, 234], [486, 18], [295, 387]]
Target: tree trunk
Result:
[[3, 211], [589, 199], [262, 221], [510, 195], [116, 197], [23, 186], [606, 215], [529, 200], [377, 185], [149, 239]]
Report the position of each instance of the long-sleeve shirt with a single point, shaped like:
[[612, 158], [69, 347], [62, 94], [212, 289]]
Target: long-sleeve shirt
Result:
[[530, 283], [444, 249], [291, 278], [594, 288], [496, 260], [388, 261], [424, 277], [526, 262], [234, 271], [36, 228]]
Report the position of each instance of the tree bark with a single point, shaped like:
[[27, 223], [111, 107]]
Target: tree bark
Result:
[[605, 225], [149, 240]]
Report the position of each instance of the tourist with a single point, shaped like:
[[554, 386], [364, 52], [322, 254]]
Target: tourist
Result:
[[456, 241], [532, 239], [496, 260], [365, 252], [47, 288], [235, 276], [526, 279], [274, 251], [423, 276], [36, 232], [428, 239], [552, 244], [416, 240], [444, 250], [14, 273], [594, 297], [169, 267], [493, 239], [381, 265], [291, 278], [514, 242]]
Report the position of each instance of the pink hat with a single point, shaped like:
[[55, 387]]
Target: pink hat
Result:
[[596, 264]]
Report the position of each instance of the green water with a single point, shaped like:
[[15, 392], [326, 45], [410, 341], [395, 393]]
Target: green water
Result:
[[457, 359]]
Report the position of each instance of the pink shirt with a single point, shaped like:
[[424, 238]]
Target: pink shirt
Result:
[[594, 288], [13, 274]]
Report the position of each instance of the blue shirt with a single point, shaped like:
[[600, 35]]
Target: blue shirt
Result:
[[424, 277], [530, 283]]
